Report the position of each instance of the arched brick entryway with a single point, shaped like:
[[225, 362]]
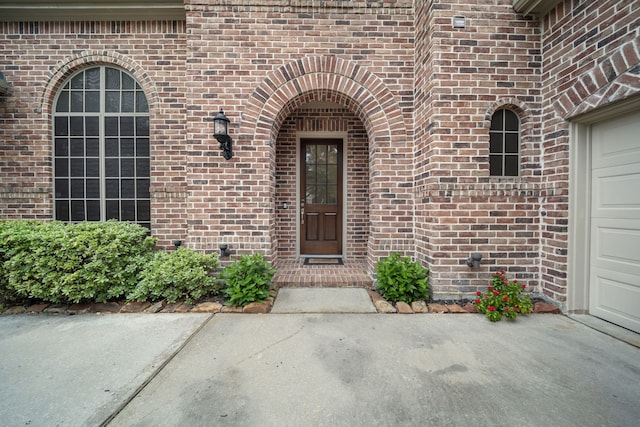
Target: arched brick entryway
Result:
[[328, 78]]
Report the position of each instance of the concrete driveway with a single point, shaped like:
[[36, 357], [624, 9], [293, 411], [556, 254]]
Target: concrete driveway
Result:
[[313, 370]]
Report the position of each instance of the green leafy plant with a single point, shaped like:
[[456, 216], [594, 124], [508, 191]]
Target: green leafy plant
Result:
[[400, 279], [61, 263], [248, 280], [182, 274], [503, 298]]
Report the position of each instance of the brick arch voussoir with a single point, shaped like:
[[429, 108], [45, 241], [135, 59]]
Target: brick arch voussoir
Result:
[[613, 79], [61, 71], [331, 73], [514, 104]]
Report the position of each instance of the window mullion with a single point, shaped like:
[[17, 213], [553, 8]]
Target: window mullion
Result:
[[103, 180]]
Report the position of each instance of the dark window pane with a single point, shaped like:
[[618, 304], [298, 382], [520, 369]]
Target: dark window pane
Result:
[[77, 210], [142, 188], [496, 120], [93, 167], [92, 126], [62, 105], [76, 102], [142, 147], [142, 126], [93, 210], [92, 101], [142, 167], [61, 147], [112, 167], [77, 147], [510, 120], [62, 210], [112, 102], [126, 168], [77, 167], [92, 78], [78, 81], [126, 147], [127, 102], [112, 188], [511, 145], [77, 188], [126, 126], [113, 209], [93, 188], [128, 210], [127, 189], [111, 147], [144, 210], [62, 188], [127, 81], [495, 165], [62, 167], [61, 126], [112, 78], [495, 143], [111, 126], [511, 166], [93, 147], [77, 126], [141, 102]]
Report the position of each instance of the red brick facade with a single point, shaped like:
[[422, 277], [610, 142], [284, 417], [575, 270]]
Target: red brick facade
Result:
[[411, 96]]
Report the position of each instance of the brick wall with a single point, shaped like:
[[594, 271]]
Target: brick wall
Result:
[[415, 99], [462, 76], [261, 62], [38, 57], [591, 53]]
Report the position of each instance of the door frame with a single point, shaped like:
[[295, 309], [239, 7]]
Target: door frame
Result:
[[580, 143], [345, 178]]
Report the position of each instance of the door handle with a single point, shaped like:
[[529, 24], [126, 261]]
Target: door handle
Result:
[[302, 215]]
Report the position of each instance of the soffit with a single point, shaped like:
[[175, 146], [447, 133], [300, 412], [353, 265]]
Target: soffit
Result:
[[91, 10], [534, 7]]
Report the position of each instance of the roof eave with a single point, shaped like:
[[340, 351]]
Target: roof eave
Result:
[[92, 10]]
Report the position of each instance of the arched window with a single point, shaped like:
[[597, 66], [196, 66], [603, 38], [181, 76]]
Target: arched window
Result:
[[504, 144], [101, 148]]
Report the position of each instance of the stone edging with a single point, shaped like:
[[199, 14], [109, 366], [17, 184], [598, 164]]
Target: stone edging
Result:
[[382, 306]]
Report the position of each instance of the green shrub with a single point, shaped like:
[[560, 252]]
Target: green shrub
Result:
[[248, 280], [503, 298], [400, 279], [60, 263], [182, 274]]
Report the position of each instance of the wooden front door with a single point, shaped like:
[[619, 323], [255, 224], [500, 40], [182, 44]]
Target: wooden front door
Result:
[[321, 197]]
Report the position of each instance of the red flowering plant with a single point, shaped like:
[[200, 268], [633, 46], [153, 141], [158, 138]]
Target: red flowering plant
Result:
[[503, 298]]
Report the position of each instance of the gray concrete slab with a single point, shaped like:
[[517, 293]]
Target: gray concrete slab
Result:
[[388, 370], [78, 370], [323, 300]]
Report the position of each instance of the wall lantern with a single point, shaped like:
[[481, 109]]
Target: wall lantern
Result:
[[4, 85], [221, 132]]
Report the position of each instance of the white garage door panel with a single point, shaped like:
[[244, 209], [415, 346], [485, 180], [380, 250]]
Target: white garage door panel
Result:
[[614, 283], [621, 146], [620, 191], [617, 243], [618, 300]]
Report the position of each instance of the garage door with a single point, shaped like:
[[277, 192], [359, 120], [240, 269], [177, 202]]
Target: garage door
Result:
[[614, 288]]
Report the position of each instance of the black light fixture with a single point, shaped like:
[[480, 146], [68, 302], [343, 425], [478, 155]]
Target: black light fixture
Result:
[[221, 132]]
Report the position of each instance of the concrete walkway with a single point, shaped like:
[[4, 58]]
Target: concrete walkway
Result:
[[313, 370]]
